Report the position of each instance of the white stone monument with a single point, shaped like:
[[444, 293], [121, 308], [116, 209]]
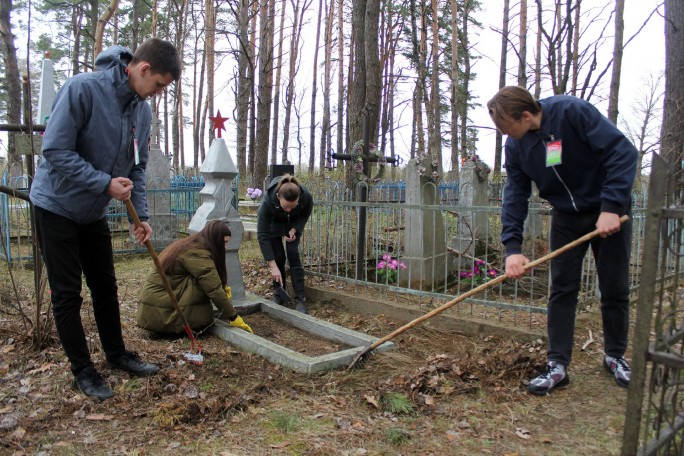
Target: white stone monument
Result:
[[219, 172]]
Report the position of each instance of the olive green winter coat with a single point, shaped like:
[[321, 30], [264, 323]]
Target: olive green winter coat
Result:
[[196, 284]]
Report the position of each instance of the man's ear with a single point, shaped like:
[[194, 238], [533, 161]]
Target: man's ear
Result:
[[145, 69]]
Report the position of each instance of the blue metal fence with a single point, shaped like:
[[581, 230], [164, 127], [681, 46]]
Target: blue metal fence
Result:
[[183, 196]]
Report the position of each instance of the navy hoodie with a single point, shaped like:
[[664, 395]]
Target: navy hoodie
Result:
[[596, 174]]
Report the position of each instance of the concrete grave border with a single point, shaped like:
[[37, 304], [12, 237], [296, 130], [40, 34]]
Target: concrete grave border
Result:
[[277, 354]]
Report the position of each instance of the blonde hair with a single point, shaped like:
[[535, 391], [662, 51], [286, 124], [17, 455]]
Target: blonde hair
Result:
[[509, 103]]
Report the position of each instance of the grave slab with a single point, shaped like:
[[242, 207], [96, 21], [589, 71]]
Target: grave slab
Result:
[[283, 356]]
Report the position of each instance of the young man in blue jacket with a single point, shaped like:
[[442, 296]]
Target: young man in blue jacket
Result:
[[585, 167], [95, 149]]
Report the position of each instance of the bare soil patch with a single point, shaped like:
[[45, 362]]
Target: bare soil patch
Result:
[[281, 333], [464, 395]]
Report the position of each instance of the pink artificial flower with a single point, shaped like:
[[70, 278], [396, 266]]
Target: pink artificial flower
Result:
[[392, 264], [402, 265], [381, 265], [387, 257]]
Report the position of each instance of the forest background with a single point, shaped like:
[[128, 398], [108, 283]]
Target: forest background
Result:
[[296, 77]]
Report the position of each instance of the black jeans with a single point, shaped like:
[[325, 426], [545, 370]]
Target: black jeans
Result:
[[612, 256], [69, 250], [290, 252]]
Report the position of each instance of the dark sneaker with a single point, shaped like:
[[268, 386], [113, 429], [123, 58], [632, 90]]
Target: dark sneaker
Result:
[[555, 376], [301, 307], [91, 384], [619, 368], [130, 362]]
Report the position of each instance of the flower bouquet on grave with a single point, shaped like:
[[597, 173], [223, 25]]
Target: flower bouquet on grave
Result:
[[387, 269], [254, 194]]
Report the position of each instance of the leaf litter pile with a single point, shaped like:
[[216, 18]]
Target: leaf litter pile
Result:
[[437, 392]]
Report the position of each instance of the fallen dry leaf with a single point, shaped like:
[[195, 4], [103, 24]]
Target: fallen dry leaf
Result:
[[281, 444], [42, 368], [523, 433], [372, 400], [7, 349]]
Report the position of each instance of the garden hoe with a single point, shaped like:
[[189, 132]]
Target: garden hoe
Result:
[[194, 356], [364, 354]]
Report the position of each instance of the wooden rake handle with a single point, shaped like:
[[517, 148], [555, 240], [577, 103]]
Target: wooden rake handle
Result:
[[160, 270], [485, 286]]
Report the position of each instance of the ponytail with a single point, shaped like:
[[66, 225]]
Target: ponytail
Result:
[[289, 188]]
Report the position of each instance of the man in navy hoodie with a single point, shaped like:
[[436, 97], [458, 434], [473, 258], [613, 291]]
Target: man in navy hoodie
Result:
[[95, 149], [585, 167]]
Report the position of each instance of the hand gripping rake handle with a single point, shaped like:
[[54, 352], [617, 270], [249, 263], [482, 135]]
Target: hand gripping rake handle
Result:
[[194, 343], [474, 291]]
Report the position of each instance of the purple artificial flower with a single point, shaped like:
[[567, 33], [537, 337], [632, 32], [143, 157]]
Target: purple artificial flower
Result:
[[392, 264], [381, 265], [491, 272]]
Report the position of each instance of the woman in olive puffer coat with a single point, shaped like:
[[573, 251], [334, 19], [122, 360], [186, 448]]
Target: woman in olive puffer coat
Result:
[[196, 269]]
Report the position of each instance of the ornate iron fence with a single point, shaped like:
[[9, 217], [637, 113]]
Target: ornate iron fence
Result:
[[654, 422]]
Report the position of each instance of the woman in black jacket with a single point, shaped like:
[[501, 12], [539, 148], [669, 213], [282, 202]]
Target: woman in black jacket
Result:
[[282, 216]]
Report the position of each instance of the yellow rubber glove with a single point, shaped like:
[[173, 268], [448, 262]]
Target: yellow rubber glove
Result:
[[229, 292], [240, 323]]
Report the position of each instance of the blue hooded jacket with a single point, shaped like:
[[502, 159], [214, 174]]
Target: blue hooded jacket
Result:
[[89, 141], [596, 174]]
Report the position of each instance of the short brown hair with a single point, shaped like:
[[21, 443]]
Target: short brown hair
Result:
[[509, 103], [161, 55]]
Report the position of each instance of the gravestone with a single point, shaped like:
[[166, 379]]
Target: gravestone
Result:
[[219, 171], [47, 92], [425, 252], [472, 224], [163, 222]]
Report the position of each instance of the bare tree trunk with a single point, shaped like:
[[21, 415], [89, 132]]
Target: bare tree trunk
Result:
[[210, 28], [429, 112], [467, 75], [251, 75], [420, 86], [276, 95], [290, 94], [314, 92], [537, 58], [436, 139], [101, 23], [575, 52], [673, 115], [264, 101], [522, 51], [454, 89], [12, 79], [243, 81], [77, 16], [340, 76], [617, 61], [498, 144], [324, 161]]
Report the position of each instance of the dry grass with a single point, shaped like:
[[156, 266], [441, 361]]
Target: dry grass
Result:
[[467, 394]]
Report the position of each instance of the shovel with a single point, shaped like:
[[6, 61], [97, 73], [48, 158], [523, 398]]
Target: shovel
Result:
[[360, 359], [194, 356]]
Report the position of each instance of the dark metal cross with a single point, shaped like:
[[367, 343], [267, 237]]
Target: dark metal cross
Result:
[[362, 194]]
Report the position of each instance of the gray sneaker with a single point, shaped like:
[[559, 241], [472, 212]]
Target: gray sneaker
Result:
[[554, 376], [619, 368]]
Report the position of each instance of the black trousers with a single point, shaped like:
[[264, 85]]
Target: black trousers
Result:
[[70, 250], [612, 257], [290, 252]]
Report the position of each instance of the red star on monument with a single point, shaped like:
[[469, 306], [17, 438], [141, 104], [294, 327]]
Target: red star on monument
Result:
[[218, 122]]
